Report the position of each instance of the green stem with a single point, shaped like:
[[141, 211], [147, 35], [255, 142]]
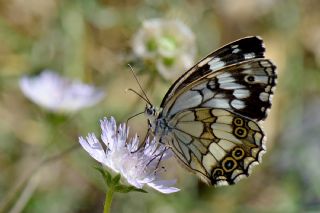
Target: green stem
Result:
[[108, 201]]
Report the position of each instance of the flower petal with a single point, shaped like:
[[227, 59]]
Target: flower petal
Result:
[[169, 44], [138, 165], [65, 95], [94, 148], [108, 134], [164, 186]]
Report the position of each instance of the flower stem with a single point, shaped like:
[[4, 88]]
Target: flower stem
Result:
[[108, 200]]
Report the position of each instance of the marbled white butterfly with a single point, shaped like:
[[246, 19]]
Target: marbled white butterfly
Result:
[[209, 117]]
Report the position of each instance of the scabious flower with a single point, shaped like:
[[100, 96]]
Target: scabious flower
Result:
[[139, 166], [58, 94], [169, 44]]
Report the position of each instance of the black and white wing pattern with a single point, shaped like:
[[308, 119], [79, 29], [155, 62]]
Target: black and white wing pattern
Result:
[[245, 88], [210, 115], [235, 52], [219, 146]]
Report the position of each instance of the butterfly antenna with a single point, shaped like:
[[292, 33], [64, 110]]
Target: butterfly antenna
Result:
[[133, 117], [145, 95], [138, 94]]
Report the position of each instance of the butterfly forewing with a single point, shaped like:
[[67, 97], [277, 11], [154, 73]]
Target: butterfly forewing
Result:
[[235, 52], [245, 88], [218, 145]]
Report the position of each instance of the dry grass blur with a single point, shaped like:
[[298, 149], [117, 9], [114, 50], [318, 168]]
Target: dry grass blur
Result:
[[90, 40]]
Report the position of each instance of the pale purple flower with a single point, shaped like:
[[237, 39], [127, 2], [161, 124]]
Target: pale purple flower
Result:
[[138, 166], [169, 44], [58, 94]]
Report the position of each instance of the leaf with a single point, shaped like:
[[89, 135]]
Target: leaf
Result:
[[106, 175], [139, 190], [126, 189], [108, 178], [116, 180], [100, 169]]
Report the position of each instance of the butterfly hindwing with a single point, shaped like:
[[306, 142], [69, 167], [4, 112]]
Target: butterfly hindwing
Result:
[[218, 145]]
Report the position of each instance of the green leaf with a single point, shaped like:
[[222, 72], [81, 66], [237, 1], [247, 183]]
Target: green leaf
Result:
[[116, 180], [122, 189], [126, 189], [139, 190], [106, 175], [108, 178], [101, 170]]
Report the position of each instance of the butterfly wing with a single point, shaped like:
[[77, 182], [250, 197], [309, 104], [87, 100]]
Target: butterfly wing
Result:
[[245, 88], [209, 115], [218, 145], [241, 50]]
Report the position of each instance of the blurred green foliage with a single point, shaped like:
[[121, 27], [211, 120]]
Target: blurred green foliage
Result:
[[90, 41]]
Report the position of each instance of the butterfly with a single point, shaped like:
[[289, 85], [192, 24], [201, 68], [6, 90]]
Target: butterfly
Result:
[[210, 116]]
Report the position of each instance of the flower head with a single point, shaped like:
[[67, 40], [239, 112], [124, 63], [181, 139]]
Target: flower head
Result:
[[139, 166], [58, 94], [169, 44]]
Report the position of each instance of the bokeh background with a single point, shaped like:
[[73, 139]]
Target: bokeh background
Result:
[[91, 41]]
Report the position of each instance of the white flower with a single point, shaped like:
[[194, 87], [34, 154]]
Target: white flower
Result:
[[137, 165], [58, 94], [170, 44]]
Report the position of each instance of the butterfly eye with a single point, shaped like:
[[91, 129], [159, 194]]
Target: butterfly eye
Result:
[[149, 111]]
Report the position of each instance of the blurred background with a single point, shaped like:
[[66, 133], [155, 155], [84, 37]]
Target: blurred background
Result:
[[42, 167]]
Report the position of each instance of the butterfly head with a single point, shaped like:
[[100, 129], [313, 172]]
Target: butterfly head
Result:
[[151, 113]]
